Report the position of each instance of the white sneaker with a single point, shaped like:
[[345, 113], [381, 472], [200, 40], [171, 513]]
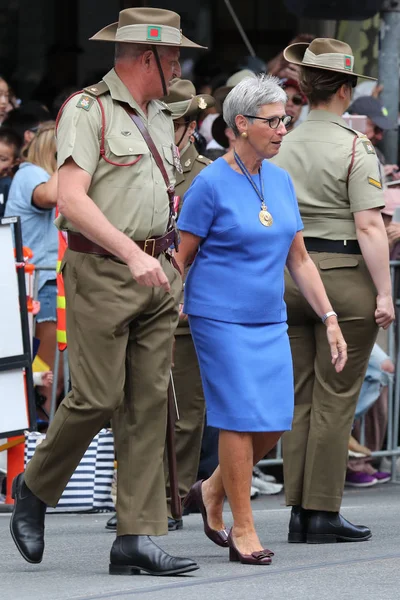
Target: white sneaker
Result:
[[258, 473], [266, 487], [253, 493]]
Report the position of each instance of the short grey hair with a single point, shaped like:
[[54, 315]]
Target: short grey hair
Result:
[[248, 96], [127, 50]]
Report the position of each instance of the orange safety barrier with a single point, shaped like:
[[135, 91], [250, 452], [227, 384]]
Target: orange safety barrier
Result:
[[15, 462]]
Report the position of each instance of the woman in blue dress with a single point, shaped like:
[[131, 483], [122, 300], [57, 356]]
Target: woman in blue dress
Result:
[[241, 217]]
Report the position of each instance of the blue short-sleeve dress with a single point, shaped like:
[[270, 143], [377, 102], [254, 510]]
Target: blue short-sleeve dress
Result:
[[234, 296]]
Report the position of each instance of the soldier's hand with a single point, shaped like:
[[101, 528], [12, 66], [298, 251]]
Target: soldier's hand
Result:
[[147, 271], [337, 344], [384, 314]]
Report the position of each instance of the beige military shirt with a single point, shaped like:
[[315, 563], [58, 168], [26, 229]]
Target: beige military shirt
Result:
[[317, 155], [134, 197], [192, 163]]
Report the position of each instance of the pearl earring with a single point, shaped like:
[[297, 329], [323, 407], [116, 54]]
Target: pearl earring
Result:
[[244, 134]]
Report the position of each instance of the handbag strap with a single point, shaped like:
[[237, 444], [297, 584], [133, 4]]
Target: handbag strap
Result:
[[156, 155]]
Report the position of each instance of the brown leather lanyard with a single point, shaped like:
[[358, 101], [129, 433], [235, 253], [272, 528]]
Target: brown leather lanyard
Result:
[[159, 162]]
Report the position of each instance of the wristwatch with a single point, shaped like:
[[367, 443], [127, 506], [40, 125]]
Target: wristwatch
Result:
[[331, 313]]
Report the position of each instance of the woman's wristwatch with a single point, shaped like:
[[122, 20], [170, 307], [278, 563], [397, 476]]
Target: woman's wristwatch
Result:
[[331, 313]]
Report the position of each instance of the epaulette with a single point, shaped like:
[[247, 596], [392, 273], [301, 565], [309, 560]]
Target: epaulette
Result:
[[90, 94], [204, 160], [96, 90]]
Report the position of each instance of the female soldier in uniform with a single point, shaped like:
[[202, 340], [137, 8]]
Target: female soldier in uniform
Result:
[[336, 176]]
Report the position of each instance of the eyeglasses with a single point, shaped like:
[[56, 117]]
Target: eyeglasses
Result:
[[273, 122], [296, 99]]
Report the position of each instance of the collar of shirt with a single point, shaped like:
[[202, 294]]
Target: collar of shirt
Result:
[[325, 115], [120, 93]]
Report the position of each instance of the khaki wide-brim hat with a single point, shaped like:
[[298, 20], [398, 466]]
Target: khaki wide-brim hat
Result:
[[146, 26], [324, 53], [182, 99]]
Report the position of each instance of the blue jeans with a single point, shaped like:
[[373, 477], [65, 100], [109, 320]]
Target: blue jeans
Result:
[[374, 380], [48, 302]]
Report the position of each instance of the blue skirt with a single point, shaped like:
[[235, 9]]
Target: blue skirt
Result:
[[247, 374]]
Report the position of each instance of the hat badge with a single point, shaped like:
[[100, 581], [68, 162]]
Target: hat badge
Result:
[[202, 104]]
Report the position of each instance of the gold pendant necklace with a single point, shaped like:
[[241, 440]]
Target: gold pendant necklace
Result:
[[265, 216]]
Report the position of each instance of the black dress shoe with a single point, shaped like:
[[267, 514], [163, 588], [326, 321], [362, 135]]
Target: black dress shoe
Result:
[[330, 527], [27, 521], [298, 525], [111, 524], [174, 524], [131, 554]]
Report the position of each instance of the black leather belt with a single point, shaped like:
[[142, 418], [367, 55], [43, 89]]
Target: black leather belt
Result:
[[335, 246]]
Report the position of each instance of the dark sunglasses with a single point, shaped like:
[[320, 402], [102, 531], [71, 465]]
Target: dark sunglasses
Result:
[[296, 99]]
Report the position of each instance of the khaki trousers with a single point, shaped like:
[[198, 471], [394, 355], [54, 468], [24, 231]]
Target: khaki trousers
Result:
[[315, 451], [189, 427], [120, 343]]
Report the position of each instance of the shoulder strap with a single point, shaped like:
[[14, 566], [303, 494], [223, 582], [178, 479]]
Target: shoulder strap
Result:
[[98, 89], [159, 162]]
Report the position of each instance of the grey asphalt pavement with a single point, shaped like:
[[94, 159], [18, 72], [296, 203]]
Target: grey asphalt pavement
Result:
[[75, 564]]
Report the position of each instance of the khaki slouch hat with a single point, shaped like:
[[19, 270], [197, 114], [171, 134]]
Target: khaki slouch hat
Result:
[[183, 100], [146, 26], [324, 53]]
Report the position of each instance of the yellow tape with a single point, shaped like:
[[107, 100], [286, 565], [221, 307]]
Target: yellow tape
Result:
[[61, 302], [61, 336]]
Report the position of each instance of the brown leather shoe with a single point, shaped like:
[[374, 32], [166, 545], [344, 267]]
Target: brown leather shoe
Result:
[[262, 557], [195, 497]]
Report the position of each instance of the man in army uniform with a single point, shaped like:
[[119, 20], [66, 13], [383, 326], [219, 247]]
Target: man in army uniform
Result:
[[186, 106], [122, 292]]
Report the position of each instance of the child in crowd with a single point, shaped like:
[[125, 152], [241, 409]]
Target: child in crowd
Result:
[[10, 146]]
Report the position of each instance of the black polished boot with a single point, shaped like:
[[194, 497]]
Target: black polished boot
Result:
[[27, 521], [131, 554], [298, 525], [330, 527]]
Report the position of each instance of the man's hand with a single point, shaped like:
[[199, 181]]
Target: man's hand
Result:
[[384, 314], [393, 233], [147, 271]]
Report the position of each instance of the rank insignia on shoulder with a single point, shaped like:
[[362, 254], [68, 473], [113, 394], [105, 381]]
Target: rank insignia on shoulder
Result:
[[375, 182], [85, 102], [369, 149]]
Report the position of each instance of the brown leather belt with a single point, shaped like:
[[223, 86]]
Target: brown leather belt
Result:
[[153, 246]]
